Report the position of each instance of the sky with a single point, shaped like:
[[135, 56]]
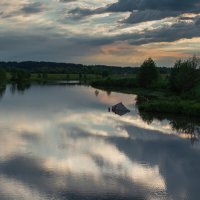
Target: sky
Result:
[[111, 32]]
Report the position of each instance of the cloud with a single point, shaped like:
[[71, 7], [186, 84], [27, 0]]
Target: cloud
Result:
[[29, 47], [149, 15], [79, 13], [32, 8], [76, 30], [175, 5], [67, 1], [197, 22], [166, 33], [145, 10], [23, 8], [73, 48], [148, 10]]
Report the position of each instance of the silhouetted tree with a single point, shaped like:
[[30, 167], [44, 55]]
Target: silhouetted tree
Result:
[[148, 74], [185, 75]]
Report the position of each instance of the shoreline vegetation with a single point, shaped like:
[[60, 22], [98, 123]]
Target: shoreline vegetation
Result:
[[177, 92], [161, 101], [160, 90]]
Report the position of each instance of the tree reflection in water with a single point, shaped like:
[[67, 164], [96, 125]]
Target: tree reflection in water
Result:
[[181, 124], [2, 90], [19, 87]]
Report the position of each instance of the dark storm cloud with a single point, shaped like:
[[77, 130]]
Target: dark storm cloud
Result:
[[175, 5], [145, 10], [28, 47], [24, 47], [26, 9], [79, 13], [67, 1], [32, 8], [148, 10], [167, 33], [149, 15], [18, 46]]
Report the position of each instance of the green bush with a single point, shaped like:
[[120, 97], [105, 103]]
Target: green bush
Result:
[[185, 75]]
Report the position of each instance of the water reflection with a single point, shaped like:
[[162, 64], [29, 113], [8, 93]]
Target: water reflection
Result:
[[2, 90], [54, 146], [185, 126], [19, 87], [96, 92]]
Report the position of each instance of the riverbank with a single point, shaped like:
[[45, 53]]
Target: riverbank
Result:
[[171, 106], [159, 100]]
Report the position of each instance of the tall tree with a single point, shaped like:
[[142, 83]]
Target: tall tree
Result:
[[185, 75], [148, 73]]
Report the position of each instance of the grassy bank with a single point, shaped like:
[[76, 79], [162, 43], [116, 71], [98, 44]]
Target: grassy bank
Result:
[[171, 106], [177, 92], [157, 98], [130, 85]]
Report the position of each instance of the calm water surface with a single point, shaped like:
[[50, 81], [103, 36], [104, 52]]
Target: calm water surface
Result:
[[60, 142]]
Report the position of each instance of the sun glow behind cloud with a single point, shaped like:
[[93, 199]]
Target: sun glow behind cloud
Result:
[[98, 32]]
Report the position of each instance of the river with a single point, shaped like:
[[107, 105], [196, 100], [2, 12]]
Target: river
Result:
[[59, 142]]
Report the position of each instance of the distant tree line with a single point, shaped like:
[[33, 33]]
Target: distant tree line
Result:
[[183, 77], [70, 68]]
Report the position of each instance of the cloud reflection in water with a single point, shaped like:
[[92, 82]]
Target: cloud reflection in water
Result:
[[75, 151]]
